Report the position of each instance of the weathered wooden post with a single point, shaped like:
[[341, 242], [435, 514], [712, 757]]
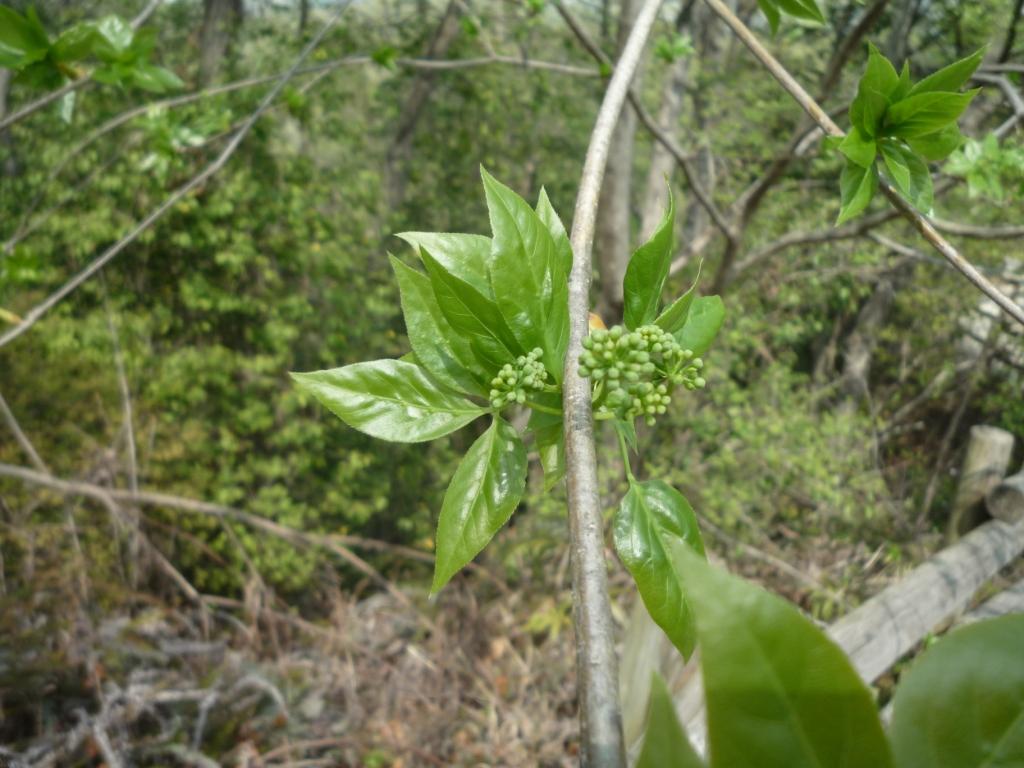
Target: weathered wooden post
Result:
[[985, 464]]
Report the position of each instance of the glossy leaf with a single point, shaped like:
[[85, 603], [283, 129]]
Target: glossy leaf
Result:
[[530, 287], [547, 214], [939, 145], [665, 742], [473, 315], [651, 516], [468, 257], [802, 9], [951, 78], [962, 702], [702, 324], [903, 87], [897, 167], [445, 354], [779, 693], [482, 496], [771, 12], [75, 42], [924, 113], [115, 38], [646, 272], [879, 75], [389, 399], [858, 148], [857, 186], [22, 39], [921, 192], [674, 316], [868, 111], [548, 437]]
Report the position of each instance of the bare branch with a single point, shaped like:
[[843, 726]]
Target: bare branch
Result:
[[21, 437], [596, 663], [37, 312], [811, 107]]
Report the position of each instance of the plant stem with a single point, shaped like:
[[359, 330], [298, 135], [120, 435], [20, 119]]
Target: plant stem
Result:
[[601, 741], [908, 211], [624, 449], [543, 408]]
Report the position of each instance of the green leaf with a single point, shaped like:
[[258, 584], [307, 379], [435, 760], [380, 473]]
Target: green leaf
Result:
[[445, 354], [904, 86], [771, 12], [925, 113], [75, 43], [962, 701], [779, 693], [547, 430], [673, 318], [390, 400], [665, 743], [482, 496], [468, 257], [868, 111], [155, 79], [115, 38], [702, 324], [530, 287], [950, 78], [67, 107], [879, 75], [921, 192], [857, 186], [385, 56], [651, 516], [473, 315], [859, 148], [554, 224], [647, 270], [897, 166], [939, 145], [23, 41], [802, 9], [628, 431]]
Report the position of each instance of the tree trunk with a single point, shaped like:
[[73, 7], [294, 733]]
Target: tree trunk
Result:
[[303, 16], [985, 463], [612, 241], [221, 19], [860, 344], [422, 86]]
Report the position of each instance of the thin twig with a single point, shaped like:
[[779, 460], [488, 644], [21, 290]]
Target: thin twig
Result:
[[811, 107], [596, 663], [21, 437], [37, 312]]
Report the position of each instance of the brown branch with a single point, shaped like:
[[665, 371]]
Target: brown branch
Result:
[[21, 437], [596, 663], [811, 107], [37, 312]]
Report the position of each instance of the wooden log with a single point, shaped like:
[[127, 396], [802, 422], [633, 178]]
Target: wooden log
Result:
[[1006, 501], [886, 627], [985, 463]]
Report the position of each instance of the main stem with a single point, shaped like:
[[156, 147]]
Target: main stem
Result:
[[596, 664]]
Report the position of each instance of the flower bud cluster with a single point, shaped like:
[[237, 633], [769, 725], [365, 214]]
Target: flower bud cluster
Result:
[[515, 379], [635, 372]]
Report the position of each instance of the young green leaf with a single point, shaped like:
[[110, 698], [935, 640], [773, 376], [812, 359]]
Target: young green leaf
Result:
[[939, 145], [115, 38], [473, 315], [651, 516], [665, 743], [547, 214], [446, 355], [903, 88], [389, 399], [924, 113], [547, 431], [896, 165], [921, 192], [75, 43], [530, 288], [646, 272], [771, 12], [23, 41], [858, 148], [802, 9], [779, 693], [468, 257], [857, 186], [962, 702], [879, 75], [868, 111], [702, 324], [674, 316], [950, 78], [482, 496]]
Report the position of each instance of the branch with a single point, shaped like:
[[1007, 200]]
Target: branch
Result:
[[654, 129], [37, 312], [21, 437], [811, 107], [72, 85], [596, 663]]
